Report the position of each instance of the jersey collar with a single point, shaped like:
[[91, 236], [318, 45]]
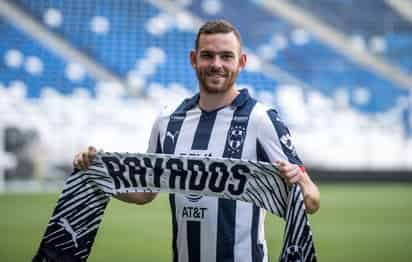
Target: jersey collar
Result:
[[240, 100]]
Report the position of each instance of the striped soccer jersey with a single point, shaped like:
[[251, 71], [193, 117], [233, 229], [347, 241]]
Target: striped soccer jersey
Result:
[[208, 229]]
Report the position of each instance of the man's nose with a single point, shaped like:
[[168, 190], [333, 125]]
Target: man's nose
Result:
[[216, 62]]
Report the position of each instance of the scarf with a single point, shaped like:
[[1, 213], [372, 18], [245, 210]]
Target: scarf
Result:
[[75, 221]]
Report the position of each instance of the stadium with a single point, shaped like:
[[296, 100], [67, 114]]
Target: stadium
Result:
[[79, 73]]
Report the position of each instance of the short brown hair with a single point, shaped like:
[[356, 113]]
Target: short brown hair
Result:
[[216, 27]]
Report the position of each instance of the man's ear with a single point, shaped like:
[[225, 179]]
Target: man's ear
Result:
[[242, 61], [193, 59]]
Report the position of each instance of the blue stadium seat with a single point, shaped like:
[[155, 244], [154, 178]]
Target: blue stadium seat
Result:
[[139, 43], [312, 61], [127, 40], [367, 18], [48, 71]]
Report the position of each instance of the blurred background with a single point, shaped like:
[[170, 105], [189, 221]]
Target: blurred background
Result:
[[97, 72]]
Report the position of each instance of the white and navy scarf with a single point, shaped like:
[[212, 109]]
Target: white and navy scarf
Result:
[[79, 211]]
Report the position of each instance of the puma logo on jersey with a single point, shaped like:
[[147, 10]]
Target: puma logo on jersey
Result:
[[171, 136]]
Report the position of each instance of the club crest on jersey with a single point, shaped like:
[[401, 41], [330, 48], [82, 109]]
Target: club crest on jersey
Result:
[[236, 138]]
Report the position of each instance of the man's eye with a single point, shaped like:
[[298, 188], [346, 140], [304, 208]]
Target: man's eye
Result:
[[206, 55], [227, 57]]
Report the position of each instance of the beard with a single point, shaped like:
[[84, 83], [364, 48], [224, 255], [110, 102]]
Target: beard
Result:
[[214, 81]]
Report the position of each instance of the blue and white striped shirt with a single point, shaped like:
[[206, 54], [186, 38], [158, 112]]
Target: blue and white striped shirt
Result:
[[208, 229]]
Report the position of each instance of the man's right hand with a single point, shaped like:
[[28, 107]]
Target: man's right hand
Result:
[[82, 160]]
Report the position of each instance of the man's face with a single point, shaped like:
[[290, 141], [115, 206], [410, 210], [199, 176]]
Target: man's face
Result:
[[217, 61]]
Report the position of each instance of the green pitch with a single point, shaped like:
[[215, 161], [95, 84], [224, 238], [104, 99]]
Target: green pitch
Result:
[[357, 222]]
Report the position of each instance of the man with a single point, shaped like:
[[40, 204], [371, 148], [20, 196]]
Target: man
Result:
[[221, 121]]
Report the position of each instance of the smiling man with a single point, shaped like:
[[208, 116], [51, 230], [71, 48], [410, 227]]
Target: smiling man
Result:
[[221, 121], [217, 60]]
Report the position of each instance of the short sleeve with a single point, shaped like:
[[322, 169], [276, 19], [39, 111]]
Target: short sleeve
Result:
[[275, 140]]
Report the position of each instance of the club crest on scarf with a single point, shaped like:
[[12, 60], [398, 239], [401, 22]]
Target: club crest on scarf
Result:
[[236, 138], [292, 254]]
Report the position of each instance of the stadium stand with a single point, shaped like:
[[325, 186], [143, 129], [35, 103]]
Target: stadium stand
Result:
[[335, 102], [301, 54], [103, 31], [97, 28], [27, 63], [384, 32]]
